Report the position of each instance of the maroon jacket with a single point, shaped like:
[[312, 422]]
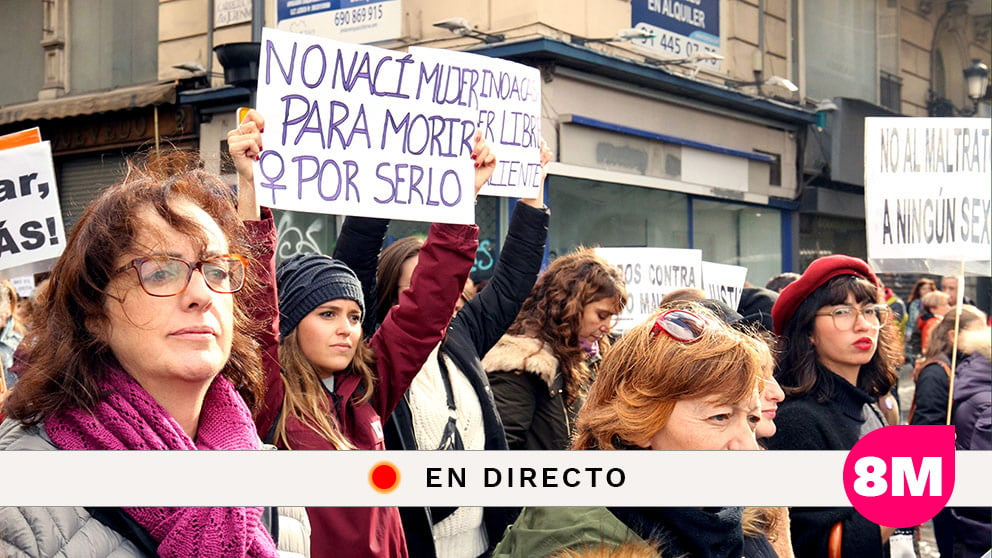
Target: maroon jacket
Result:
[[402, 344]]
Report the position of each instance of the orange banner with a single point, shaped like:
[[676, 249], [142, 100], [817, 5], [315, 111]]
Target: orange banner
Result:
[[18, 139]]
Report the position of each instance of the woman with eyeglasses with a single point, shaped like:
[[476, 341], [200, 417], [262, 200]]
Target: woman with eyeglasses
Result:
[[539, 371], [683, 380], [330, 388], [772, 523], [835, 360], [145, 345]]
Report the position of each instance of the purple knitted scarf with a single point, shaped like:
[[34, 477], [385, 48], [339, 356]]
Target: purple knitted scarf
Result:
[[130, 419]]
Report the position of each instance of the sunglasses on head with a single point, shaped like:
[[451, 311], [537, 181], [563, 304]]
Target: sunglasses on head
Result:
[[681, 325]]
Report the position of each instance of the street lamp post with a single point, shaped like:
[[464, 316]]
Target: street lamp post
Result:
[[976, 77]]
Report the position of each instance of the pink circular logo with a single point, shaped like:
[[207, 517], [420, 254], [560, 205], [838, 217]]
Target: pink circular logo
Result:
[[901, 476]]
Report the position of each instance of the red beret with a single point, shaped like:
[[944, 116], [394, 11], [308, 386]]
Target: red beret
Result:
[[819, 272]]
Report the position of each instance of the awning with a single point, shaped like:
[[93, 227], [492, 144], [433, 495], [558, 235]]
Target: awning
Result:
[[91, 103]]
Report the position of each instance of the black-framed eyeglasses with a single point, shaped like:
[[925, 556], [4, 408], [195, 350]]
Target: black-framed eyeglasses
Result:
[[846, 316], [680, 325], [164, 276]]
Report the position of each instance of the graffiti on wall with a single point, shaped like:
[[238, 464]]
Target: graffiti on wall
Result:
[[297, 235], [485, 259]]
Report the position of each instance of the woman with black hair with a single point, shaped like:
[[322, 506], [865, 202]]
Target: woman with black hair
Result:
[[835, 360]]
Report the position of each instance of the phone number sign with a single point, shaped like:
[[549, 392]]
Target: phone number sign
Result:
[[682, 28], [354, 21]]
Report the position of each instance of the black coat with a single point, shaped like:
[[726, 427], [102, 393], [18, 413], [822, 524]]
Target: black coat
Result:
[[806, 424], [530, 394], [931, 394], [472, 332]]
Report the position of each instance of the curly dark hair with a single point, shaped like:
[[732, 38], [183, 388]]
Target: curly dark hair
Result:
[[553, 310], [797, 368], [66, 356]]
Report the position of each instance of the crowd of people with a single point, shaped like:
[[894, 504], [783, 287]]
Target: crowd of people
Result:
[[168, 325]]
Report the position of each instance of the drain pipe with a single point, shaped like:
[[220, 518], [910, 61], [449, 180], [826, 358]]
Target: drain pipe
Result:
[[257, 20], [761, 37], [210, 42]]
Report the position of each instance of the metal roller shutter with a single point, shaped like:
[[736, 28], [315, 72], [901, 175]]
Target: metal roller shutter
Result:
[[82, 180]]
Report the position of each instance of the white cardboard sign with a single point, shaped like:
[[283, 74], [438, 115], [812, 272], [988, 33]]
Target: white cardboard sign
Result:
[[651, 273], [31, 227], [359, 130], [507, 97], [724, 282], [927, 195]]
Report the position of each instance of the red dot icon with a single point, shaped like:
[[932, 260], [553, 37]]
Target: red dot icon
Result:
[[384, 477]]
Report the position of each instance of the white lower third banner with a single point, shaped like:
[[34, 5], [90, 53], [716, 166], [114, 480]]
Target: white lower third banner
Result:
[[448, 478]]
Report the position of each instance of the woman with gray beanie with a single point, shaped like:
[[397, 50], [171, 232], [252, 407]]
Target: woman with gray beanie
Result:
[[450, 405], [329, 388]]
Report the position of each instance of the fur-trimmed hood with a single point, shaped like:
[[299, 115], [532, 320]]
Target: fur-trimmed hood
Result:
[[522, 354], [972, 377], [976, 341]]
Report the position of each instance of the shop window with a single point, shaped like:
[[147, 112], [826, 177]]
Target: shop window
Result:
[[590, 213], [737, 234], [841, 49], [820, 235], [300, 233]]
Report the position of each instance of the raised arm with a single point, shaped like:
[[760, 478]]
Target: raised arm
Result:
[[486, 317], [417, 324], [244, 145]]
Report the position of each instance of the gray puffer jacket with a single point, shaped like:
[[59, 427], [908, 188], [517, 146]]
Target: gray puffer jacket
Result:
[[71, 532], [52, 532]]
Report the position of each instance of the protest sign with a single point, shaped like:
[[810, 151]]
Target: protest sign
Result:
[[651, 273], [359, 130], [356, 130], [508, 102], [927, 195], [724, 282], [23, 284], [31, 223]]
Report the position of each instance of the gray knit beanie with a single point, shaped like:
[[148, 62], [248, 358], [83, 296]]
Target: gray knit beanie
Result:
[[306, 281]]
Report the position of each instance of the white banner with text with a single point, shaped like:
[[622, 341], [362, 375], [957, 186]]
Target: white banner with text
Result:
[[651, 273], [360, 130], [927, 195], [31, 227]]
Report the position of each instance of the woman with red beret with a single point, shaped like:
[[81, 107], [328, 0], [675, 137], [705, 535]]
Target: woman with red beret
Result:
[[835, 360]]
